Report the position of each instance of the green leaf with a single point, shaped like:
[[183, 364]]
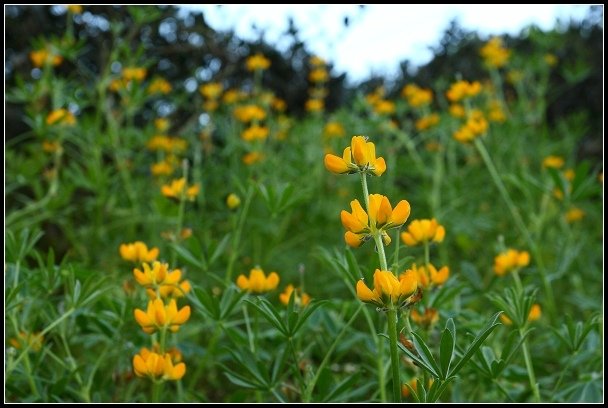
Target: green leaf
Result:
[[306, 313], [219, 249], [479, 339], [187, 256], [425, 354], [419, 362], [270, 313], [446, 347]]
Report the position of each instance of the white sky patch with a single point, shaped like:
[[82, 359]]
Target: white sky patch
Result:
[[378, 36]]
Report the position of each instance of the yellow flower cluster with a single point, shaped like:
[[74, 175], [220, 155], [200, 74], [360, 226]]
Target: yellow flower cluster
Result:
[[429, 275], [423, 231], [510, 260], [138, 252], [427, 122], [416, 96], [163, 286], [318, 76], [476, 125], [333, 129], [257, 281], [362, 226], [534, 314], [494, 54], [211, 93], [257, 62], [159, 86], [301, 298], [554, 162], [61, 117], [463, 89], [45, 56], [167, 144], [388, 290], [23, 340], [178, 189], [359, 157]]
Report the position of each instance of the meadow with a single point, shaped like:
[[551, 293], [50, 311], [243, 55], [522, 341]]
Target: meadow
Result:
[[420, 244]]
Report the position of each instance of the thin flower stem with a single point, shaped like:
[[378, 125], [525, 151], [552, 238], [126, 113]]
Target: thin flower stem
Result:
[[365, 191], [427, 252], [520, 225], [380, 249], [392, 335], [30, 377], [529, 367], [156, 386], [237, 234]]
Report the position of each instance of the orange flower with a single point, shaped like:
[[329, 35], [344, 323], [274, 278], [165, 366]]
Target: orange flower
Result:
[[388, 290], [302, 299], [509, 260], [423, 230], [159, 316], [257, 281], [138, 252], [157, 366], [359, 157]]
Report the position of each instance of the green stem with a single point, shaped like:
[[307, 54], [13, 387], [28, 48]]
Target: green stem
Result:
[[156, 387], [363, 176], [237, 234], [392, 335], [529, 367], [163, 340], [311, 385], [297, 366], [406, 321], [30, 377], [380, 249], [249, 332], [519, 222], [517, 280], [427, 253]]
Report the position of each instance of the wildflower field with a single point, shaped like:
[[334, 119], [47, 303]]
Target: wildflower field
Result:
[[247, 233]]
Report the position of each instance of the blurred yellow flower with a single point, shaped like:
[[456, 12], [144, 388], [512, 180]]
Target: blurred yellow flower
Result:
[[252, 158], [162, 124], [61, 117], [384, 107], [427, 121], [211, 90], [156, 366], [430, 316], [179, 188], [301, 299], [550, 59], [463, 89], [168, 144], [417, 96], [257, 62], [534, 314], [162, 168], [574, 214], [249, 113], [136, 74], [257, 281], [423, 230], [494, 54], [255, 132], [138, 252], [314, 105], [160, 278], [159, 85], [44, 56], [318, 75], [388, 290], [510, 260], [359, 157], [555, 162], [32, 340], [233, 201], [476, 125], [50, 146], [457, 110], [333, 129], [316, 61], [74, 8], [428, 275]]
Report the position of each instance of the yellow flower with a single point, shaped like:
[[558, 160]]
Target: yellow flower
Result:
[[510, 260], [138, 252], [463, 89], [233, 95], [384, 107], [159, 316], [550, 59], [168, 144], [252, 158], [23, 340], [388, 290], [156, 366], [162, 124], [569, 174], [49, 146], [61, 117], [361, 226], [159, 85], [476, 125], [417, 96], [534, 314], [427, 121], [494, 54], [359, 157], [159, 277], [249, 113], [574, 214], [433, 146], [257, 62], [163, 168], [423, 230], [179, 188], [496, 113], [429, 275], [278, 104], [136, 74], [43, 57], [457, 110], [257, 281], [333, 129], [211, 90], [314, 105], [316, 61], [301, 299], [255, 132], [555, 162], [318, 75], [233, 201], [74, 8], [430, 316]]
